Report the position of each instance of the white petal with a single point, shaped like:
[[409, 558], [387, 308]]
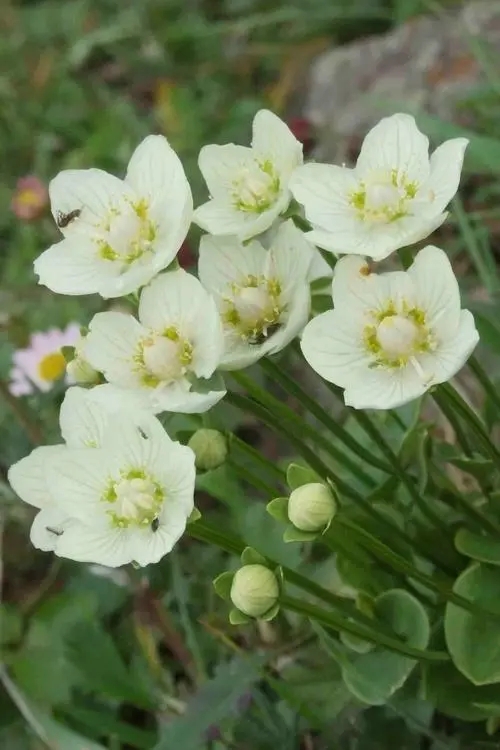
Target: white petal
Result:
[[238, 354], [452, 354], [91, 191], [437, 290], [384, 389], [72, 267], [174, 298], [156, 173], [106, 546], [324, 192], [349, 270], [82, 421], [297, 316], [220, 166], [274, 141], [180, 401], [319, 268], [446, 167], [219, 217], [47, 527], [129, 401], [368, 295], [396, 143], [28, 478], [78, 483], [149, 547], [376, 241], [289, 258], [223, 261], [111, 344], [334, 350]]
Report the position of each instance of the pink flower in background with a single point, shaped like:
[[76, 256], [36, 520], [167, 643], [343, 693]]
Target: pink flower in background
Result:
[[30, 198], [42, 363]]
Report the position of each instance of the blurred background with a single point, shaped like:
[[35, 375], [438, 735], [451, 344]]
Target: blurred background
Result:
[[93, 660]]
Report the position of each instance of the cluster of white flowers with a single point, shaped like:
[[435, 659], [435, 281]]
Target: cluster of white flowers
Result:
[[119, 489]]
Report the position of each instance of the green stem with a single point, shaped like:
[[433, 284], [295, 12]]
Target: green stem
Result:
[[249, 477], [455, 400], [456, 498], [283, 412], [483, 378], [295, 390], [273, 468], [248, 405], [332, 620]]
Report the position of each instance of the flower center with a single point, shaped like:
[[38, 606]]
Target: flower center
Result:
[[164, 358], [254, 308], [52, 366], [136, 499], [383, 197], [256, 187], [397, 336], [127, 234]]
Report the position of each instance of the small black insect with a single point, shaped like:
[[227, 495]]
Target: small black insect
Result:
[[62, 220], [155, 524], [54, 531], [261, 338]]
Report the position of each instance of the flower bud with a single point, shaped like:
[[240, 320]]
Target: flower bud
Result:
[[254, 590], [209, 448], [311, 507]]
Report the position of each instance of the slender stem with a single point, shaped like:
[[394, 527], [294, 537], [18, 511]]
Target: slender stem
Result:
[[295, 390], [248, 476], [468, 414], [332, 620], [474, 514], [483, 378], [248, 405], [283, 412], [273, 468], [452, 418]]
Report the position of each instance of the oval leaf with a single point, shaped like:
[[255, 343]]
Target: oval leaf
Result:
[[479, 547], [473, 639], [375, 676]]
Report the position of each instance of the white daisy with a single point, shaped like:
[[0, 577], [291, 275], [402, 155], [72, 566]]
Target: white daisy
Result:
[[390, 337], [263, 295], [163, 361], [395, 195], [249, 186], [118, 234]]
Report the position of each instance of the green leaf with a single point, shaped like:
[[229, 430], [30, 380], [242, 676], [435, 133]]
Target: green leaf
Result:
[[478, 467], [478, 547], [318, 692], [297, 475], [356, 644], [92, 651], [250, 556], [222, 585], [238, 618], [278, 509], [296, 535], [373, 677], [10, 625], [53, 734], [452, 694], [271, 614], [213, 702], [473, 639]]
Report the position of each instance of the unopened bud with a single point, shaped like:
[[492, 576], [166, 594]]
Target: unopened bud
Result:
[[209, 448], [254, 590], [311, 507]]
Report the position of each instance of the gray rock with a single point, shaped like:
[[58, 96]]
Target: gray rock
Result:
[[427, 63]]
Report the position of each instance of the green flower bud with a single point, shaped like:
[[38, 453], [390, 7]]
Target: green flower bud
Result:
[[311, 507], [254, 590], [209, 448]]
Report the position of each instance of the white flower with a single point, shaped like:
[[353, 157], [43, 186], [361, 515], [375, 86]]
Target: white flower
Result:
[[118, 234], [263, 295], [119, 491], [83, 424], [249, 186], [395, 195], [162, 362], [390, 337]]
